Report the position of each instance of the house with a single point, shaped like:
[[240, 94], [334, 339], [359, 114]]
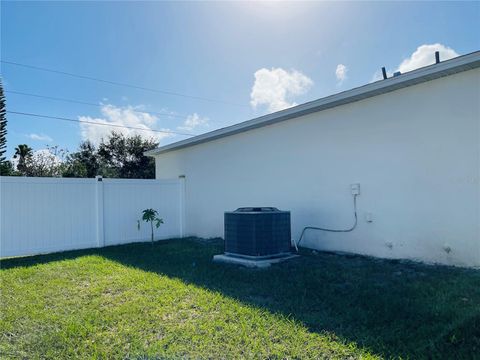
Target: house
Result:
[[411, 141]]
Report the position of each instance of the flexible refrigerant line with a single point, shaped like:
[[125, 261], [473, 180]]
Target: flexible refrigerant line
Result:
[[297, 244]]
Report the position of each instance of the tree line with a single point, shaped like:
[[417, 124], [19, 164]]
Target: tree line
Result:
[[116, 156]]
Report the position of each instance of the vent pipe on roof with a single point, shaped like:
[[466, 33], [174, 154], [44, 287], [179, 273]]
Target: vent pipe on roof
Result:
[[398, 73], [384, 72]]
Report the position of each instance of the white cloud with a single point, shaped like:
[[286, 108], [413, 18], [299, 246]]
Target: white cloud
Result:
[[120, 116], [425, 55], [194, 121], [341, 72], [41, 157], [40, 137], [275, 88], [46, 155]]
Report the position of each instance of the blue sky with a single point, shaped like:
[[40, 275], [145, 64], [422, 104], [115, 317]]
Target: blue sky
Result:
[[251, 58]]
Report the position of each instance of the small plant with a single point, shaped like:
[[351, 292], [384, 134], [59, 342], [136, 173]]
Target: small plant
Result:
[[150, 216]]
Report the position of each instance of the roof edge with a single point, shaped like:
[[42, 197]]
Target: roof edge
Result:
[[424, 74]]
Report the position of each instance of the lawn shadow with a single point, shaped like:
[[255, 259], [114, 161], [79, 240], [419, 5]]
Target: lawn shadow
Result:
[[392, 308]]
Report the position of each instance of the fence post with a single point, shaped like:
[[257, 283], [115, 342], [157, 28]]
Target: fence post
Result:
[[182, 208], [99, 210]]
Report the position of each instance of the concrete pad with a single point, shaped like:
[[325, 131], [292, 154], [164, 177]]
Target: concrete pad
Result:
[[252, 263]]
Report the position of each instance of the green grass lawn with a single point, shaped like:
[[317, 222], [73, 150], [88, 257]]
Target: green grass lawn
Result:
[[170, 301]]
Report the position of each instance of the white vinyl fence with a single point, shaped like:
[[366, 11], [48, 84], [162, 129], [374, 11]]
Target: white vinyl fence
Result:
[[41, 215]]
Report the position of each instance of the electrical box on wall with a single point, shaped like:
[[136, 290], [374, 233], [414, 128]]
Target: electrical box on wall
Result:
[[355, 188]]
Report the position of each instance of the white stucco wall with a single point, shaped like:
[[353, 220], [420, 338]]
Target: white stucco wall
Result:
[[414, 151]]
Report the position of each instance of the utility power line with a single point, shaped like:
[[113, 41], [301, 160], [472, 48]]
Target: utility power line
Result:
[[96, 123], [118, 83], [90, 103]]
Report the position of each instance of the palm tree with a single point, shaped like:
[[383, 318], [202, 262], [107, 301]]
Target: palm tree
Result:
[[22, 152]]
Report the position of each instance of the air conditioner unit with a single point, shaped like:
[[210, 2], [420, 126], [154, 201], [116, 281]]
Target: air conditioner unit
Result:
[[257, 232]]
